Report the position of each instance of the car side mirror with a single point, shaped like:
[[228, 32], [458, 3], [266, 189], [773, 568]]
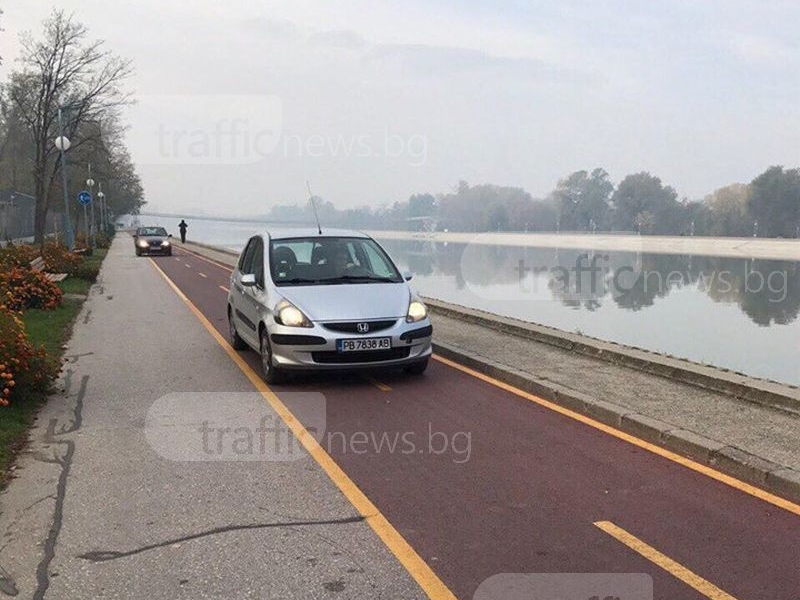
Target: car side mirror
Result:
[[408, 275], [169, 235], [248, 280]]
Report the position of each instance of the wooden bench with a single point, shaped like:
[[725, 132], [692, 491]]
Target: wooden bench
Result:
[[38, 265]]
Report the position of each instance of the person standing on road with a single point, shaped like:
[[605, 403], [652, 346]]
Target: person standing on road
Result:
[[183, 226]]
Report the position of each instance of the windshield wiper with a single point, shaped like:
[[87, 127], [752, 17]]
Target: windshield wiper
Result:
[[297, 280], [360, 278]]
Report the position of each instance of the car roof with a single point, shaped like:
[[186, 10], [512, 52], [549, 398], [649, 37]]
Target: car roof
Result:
[[306, 232]]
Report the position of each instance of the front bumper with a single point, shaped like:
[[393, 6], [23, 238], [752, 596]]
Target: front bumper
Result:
[[154, 249], [314, 348]]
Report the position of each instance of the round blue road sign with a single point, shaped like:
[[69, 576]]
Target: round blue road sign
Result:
[[84, 197]]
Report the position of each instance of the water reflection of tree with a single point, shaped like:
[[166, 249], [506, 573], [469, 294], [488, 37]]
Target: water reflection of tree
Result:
[[778, 303], [656, 275], [724, 280], [421, 257], [576, 287]]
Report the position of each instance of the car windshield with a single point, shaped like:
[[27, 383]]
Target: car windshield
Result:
[[152, 231], [329, 261]]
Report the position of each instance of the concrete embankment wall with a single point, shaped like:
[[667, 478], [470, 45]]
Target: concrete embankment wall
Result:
[[737, 385]]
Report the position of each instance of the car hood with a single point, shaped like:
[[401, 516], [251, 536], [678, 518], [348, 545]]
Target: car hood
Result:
[[152, 238], [350, 301]]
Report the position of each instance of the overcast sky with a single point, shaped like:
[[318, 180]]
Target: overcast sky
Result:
[[240, 102]]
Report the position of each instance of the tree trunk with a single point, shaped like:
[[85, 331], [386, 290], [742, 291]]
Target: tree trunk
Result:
[[40, 214]]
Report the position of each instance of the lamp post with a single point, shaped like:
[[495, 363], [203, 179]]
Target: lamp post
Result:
[[103, 215], [63, 144], [93, 229]]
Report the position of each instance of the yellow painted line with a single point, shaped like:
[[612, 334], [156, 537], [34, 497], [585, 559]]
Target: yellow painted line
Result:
[[705, 587], [202, 274], [408, 557], [378, 384], [676, 458], [223, 288]]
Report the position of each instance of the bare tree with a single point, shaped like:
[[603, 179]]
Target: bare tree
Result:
[[85, 78], [1, 29]]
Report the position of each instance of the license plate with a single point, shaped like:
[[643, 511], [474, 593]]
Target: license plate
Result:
[[361, 344]]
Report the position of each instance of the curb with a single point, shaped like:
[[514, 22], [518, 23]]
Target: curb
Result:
[[219, 249], [758, 391], [730, 460]]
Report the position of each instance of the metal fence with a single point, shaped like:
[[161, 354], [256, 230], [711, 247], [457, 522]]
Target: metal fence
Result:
[[17, 217]]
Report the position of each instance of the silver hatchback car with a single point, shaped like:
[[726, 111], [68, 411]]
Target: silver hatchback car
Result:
[[335, 300]]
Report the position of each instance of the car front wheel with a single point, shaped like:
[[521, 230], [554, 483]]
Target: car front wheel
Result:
[[269, 371]]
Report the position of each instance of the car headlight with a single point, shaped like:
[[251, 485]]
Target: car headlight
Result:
[[288, 314], [143, 244], [416, 312], [165, 243]]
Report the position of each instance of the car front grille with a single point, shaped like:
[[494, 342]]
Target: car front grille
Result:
[[369, 356], [352, 327]]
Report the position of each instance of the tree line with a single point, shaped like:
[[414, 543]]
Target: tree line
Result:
[[65, 69], [586, 201]]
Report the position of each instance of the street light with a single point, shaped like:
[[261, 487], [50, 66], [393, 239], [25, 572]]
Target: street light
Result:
[[62, 144], [93, 230], [103, 215]]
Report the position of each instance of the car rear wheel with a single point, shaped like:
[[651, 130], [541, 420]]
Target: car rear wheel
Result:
[[269, 371], [417, 368], [237, 342]]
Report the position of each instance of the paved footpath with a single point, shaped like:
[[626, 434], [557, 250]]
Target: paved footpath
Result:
[[100, 509]]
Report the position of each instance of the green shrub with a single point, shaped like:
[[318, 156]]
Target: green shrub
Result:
[[87, 270]]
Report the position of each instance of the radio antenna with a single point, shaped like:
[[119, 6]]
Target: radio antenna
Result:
[[314, 206]]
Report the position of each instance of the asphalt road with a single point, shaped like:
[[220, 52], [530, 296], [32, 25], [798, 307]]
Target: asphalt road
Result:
[[524, 488]]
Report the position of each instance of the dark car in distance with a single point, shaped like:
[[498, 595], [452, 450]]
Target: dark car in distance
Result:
[[152, 240]]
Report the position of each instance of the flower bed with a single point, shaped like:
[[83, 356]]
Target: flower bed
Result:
[[17, 256], [23, 367], [58, 259], [23, 287]]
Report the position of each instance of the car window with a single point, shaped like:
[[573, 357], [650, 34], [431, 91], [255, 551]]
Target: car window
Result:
[[246, 261], [301, 249], [152, 231], [378, 262], [330, 260], [257, 265]]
